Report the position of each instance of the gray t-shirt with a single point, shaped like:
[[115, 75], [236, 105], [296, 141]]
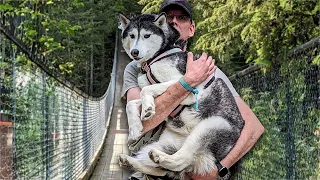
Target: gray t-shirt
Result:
[[130, 79]]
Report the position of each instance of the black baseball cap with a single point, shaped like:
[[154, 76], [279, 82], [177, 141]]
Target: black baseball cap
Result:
[[181, 3]]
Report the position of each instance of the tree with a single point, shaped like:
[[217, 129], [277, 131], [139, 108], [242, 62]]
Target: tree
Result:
[[76, 37], [238, 31]]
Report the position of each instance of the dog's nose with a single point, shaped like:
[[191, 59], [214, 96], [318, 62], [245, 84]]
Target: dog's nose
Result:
[[135, 52]]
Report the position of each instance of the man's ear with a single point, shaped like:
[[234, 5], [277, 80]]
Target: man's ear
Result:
[[192, 29], [161, 21], [124, 21]]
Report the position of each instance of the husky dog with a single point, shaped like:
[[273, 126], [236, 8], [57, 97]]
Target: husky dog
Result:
[[194, 140]]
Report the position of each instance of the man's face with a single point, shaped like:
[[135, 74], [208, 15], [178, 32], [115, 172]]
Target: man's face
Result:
[[181, 22]]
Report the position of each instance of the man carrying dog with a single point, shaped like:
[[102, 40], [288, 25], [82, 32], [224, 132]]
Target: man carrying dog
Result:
[[179, 13]]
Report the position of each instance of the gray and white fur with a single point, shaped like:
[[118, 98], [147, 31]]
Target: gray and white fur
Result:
[[194, 140]]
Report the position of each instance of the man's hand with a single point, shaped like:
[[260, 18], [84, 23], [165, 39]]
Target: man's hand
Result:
[[199, 70], [211, 176]]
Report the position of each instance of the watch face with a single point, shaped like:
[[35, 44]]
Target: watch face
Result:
[[223, 171]]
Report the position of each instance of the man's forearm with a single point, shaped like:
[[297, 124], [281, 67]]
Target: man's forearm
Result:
[[196, 72], [165, 104]]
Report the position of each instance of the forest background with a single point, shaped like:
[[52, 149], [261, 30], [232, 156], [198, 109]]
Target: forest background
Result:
[[78, 36]]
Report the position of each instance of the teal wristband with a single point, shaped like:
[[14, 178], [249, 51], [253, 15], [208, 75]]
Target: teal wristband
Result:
[[189, 88]]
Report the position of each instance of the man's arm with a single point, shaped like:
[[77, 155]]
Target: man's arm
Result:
[[250, 134], [196, 72], [164, 104]]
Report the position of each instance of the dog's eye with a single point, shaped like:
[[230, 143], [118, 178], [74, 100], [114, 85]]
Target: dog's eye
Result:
[[132, 36], [147, 35]]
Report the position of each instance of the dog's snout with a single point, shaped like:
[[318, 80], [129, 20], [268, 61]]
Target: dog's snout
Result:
[[135, 52]]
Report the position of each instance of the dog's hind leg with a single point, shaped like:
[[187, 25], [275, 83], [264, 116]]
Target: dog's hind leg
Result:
[[148, 94], [133, 164], [195, 148]]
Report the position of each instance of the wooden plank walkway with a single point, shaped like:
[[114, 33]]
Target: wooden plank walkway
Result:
[[108, 167]]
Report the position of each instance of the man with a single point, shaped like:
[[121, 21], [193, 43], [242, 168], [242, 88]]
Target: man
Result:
[[179, 13]]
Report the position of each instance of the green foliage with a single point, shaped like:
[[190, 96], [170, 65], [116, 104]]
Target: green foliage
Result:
[[151, 6], [73, 35], [5, 7], [237, 32], [291, 120], [316, 60], [269, 151], [261, 30]]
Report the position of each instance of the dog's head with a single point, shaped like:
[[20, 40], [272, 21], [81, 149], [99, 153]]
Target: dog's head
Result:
[[146, 35]]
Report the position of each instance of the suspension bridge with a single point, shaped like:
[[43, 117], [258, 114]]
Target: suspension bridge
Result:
[[49, 129]]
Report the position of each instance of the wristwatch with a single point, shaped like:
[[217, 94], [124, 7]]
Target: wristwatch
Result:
[[222, 171]]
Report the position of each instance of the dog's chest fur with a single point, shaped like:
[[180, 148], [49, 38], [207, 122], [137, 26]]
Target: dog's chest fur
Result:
[[170, 68]]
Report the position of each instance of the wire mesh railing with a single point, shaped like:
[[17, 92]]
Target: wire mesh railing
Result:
[[48, 128], [286, 99]]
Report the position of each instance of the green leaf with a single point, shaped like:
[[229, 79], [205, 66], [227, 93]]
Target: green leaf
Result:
[[316, 60], [50, 2], [5, 7], [31, 33], [42, 39]]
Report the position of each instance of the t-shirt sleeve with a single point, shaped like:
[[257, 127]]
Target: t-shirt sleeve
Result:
[[220, 74], [130, 78]]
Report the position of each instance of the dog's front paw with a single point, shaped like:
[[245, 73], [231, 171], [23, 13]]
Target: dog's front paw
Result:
[[147, 103], [123, 161], [148, 112], [155, 156]]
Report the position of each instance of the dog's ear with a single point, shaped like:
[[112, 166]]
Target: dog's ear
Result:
[[161, 21], [124, 21]]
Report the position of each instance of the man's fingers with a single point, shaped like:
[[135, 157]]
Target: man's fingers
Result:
[[190, 56], [209, 61], [211, 71], [203, 56], [211, 65]]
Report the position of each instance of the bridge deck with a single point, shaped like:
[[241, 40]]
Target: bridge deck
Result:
[[107, 167]]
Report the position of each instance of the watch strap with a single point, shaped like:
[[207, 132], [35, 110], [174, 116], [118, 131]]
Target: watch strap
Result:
[[222, 171], [219, 165]]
